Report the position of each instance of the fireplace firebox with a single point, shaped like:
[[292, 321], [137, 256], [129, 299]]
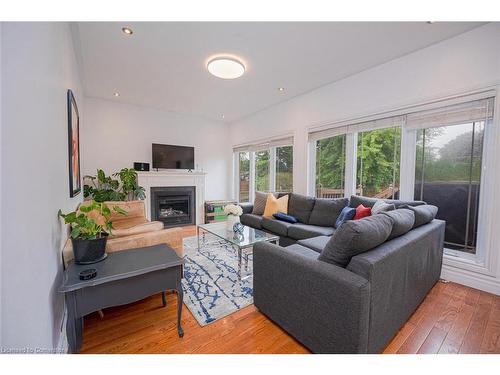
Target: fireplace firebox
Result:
[[174, 206]]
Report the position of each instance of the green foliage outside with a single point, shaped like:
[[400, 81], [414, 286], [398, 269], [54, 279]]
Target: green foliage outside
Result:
[[284, 168], [330, 162], [378, 160], [262, 171], [452, 161]]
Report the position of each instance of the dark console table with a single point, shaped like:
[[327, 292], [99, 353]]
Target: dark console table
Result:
[[123, 277]]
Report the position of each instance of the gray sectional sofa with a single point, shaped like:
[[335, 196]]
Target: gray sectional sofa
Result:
[[346, 289]]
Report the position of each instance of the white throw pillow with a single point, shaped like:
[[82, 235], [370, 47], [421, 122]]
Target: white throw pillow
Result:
[[381, 206]]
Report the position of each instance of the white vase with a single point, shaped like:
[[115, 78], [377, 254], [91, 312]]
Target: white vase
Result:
[[231, 220]]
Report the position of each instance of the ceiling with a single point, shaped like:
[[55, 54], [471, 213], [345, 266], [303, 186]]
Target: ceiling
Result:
[[163, 64]]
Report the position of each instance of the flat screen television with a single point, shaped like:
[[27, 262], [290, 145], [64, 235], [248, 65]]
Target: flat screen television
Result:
[[173, 157]]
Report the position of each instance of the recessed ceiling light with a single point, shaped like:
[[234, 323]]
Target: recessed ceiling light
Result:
[[226, 67], [223, 117], [127, 30], [281, 89], [430, 22], [116, 94]]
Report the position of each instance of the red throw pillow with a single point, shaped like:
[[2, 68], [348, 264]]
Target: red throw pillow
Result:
[[362, 211]]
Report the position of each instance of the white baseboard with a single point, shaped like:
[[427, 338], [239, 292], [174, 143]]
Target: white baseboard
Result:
[[474, 280]]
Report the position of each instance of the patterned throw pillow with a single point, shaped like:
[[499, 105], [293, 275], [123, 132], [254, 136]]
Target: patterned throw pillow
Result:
[[362, 211], [259, 203], [274, 205]]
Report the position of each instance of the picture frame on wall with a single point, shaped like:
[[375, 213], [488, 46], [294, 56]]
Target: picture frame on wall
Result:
[[75, 184]]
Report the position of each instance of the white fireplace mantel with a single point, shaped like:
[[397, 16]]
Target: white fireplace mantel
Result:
[[174, 178]]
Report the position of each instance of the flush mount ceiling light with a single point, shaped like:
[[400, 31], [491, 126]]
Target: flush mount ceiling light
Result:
[[127, 30], [226, 67]]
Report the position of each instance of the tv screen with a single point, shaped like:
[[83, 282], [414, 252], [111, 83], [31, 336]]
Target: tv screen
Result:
[[173, 157]]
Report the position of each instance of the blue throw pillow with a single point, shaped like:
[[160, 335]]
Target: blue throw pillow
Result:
[[284, 217], [347, 213]]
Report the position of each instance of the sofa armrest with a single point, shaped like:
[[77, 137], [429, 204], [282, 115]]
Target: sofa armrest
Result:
[[247, 207], [171, 237], [324, 306]]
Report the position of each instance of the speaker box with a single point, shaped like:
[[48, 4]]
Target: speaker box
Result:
[[141, 166]]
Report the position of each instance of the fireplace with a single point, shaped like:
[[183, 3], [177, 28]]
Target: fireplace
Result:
[[174, 206]]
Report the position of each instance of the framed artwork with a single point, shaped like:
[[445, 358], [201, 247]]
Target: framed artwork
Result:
[[75, 183]]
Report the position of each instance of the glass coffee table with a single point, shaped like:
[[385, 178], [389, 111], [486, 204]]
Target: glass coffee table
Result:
[[239, 242]]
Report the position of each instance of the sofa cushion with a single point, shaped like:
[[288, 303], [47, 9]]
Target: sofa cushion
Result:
[[301, 231], [133, 226], [300, 206], [402, 221], [284, 217], [423, 214], [302, 250], [276, 226], [252, 220], [381, 206], [356, 200], [347, 213], [326, 211], [274, 205], [355, 237], [315, 243], [259, 203]]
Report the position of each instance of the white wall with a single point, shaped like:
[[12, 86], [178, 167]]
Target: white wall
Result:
[[115, 135], [1, 131], [38, 67], [467, 62]]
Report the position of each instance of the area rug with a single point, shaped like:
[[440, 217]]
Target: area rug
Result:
[[212, 288]]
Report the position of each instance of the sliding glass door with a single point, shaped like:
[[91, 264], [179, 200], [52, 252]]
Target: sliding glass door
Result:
[[448, 165]]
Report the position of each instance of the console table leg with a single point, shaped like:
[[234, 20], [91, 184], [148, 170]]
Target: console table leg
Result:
[[74, 325], [180, 297], [164, 298]]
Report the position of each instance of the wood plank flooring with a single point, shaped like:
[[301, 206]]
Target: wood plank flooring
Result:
[[452, 319]]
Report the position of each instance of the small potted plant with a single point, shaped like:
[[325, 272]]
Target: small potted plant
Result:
[[233, 215], [90, 227]]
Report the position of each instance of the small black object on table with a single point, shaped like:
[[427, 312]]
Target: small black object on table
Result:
[[125, 276]]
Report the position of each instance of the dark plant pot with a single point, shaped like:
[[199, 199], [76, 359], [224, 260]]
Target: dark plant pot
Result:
[[89, 251]]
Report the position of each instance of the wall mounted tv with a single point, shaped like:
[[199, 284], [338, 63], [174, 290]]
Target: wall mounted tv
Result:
[[173, 157]]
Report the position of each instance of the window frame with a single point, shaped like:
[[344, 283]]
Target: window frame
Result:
[[272, 169], [485, 259]]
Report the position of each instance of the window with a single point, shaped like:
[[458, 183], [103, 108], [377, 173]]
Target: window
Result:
[[330, 167], [244, 176], [262, 171], [378, 160], [448, 160], [263, 167], [284, 169]]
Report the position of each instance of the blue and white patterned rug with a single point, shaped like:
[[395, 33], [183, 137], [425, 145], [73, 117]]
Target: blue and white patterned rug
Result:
[[212, 289]]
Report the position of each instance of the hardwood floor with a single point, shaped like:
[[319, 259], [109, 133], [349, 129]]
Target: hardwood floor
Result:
[[452, 319]]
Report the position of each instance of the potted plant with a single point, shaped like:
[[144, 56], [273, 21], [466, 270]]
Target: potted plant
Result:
[[90, 227], [233, 215], [107, 188]]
